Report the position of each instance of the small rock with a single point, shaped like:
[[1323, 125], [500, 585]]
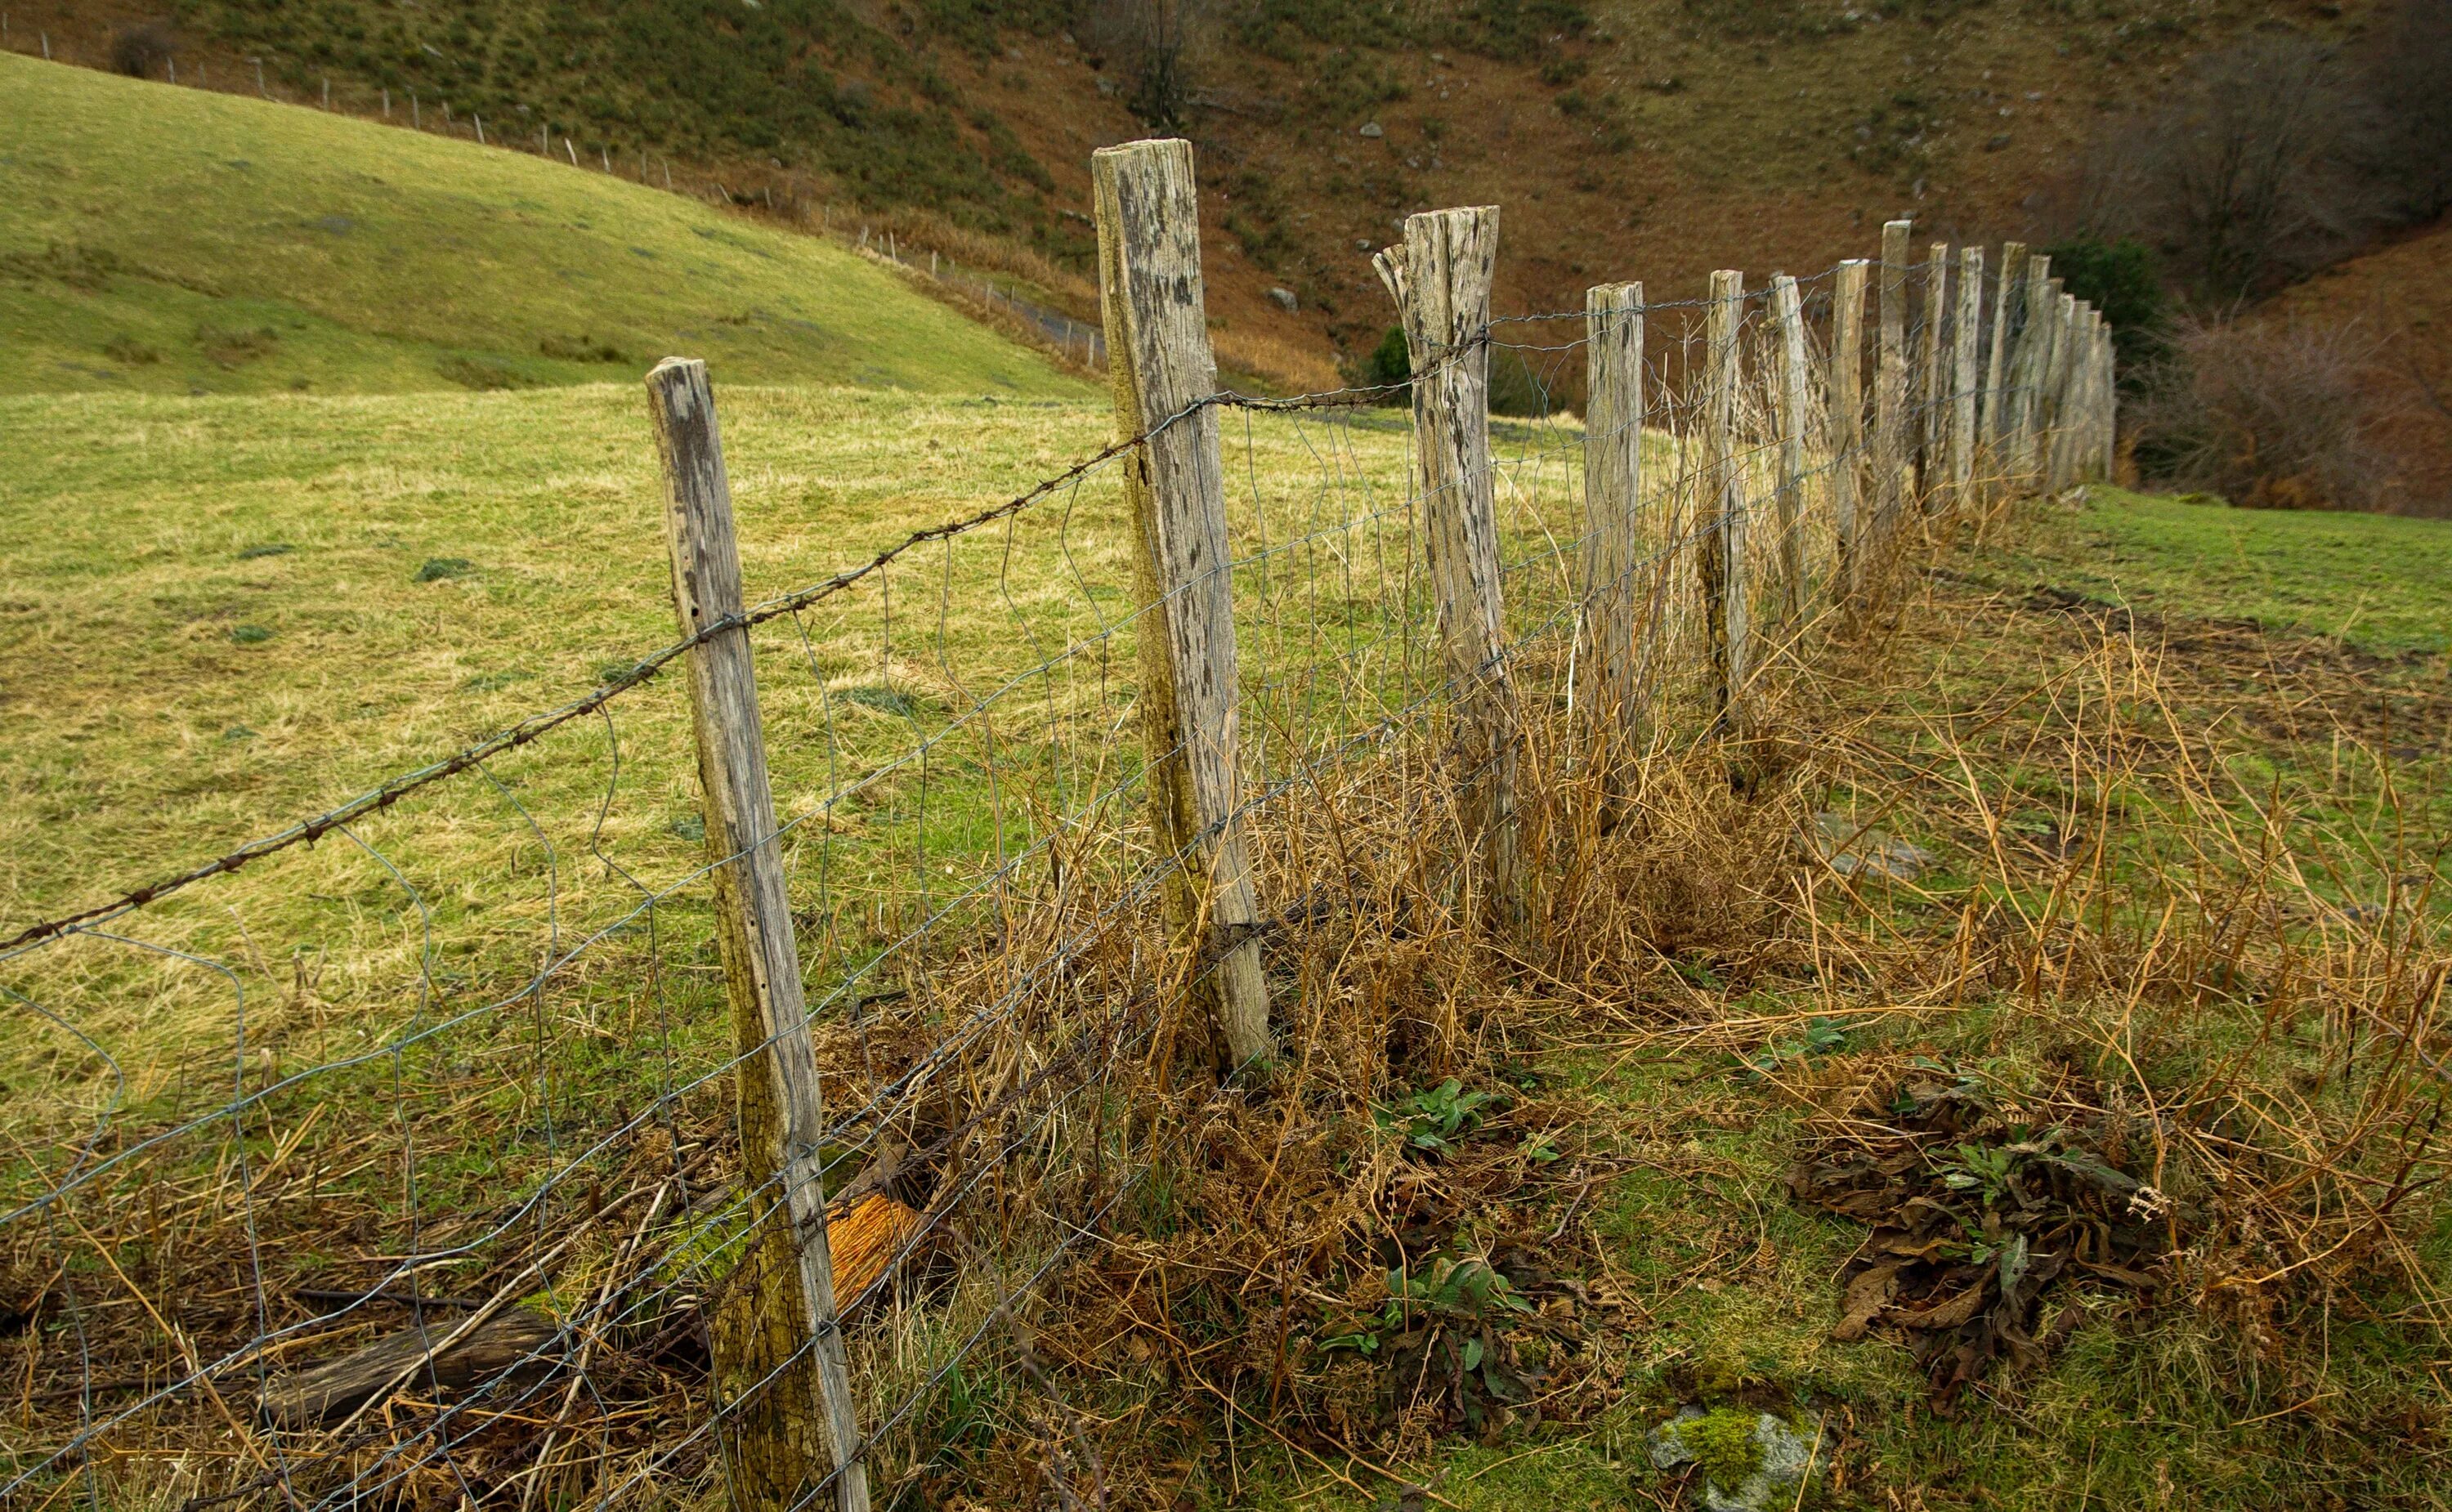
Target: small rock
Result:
[[1854, 851], [1372, 130], [1363, 243], [1106, 86], [1284, 300], [1994, 144], [1782, 1457]]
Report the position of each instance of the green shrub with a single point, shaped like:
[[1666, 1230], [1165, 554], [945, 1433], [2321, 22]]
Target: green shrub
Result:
[[2120, 279]]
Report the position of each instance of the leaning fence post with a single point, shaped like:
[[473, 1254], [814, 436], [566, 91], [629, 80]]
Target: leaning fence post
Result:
[[1995, 416], [1844, 399], [1726, 606], [1610, 678], [1164, 379], [791, 1306], [1439, 277], [1891, 382], [1930, 430], [1789, 311], [1962, 407]]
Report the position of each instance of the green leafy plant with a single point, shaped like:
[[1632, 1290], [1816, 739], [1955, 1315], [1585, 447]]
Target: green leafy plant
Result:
[[1436, 1118], [1821, 1038]]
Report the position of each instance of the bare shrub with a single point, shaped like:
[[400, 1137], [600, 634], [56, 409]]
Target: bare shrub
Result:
[[2405, 71], [2269, 415], [141, 49], [2250, 173], [1158, 47]]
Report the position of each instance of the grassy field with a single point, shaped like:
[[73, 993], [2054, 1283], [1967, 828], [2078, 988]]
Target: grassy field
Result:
[[172, 241], [2376, 583], [225, 613]]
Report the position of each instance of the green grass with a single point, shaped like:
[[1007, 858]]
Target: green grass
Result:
[[2379, 583], [174, 241]]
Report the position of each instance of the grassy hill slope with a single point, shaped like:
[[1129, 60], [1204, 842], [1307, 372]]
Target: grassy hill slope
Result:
[[1651, 139], [183, 240]]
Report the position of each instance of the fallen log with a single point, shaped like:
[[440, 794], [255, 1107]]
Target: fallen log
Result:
[[517, 1345]]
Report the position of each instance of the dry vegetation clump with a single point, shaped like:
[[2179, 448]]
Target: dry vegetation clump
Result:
[[2269, 415]]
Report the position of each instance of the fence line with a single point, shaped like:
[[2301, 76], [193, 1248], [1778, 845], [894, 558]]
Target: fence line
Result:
[[936, 877]]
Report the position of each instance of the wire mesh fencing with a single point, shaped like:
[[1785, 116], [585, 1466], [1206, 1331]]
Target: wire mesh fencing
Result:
[[436, 1150]]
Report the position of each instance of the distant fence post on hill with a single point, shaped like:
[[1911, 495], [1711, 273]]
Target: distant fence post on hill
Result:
[[1440, 277], [1158, 335], [787, 1310]]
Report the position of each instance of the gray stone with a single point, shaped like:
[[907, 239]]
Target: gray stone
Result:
[[1856, 851], [1284, 300], [1785, 1456], [1372, 130]]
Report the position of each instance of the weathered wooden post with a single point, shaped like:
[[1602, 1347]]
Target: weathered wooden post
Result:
[[1890, 385], [2108, 402], [1962, 399], [1845, 399], [1725, 604], [762, 1331], [1788, 311], [1611, 673], [2033, 338], [1439, 277], [1175, 482], [2055, 359], [1931, 430], [1995, 418]]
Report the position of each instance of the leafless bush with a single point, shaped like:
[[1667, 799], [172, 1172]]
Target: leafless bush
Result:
[[2405, 71], [1157, 46], [2269, 415], [2253, 172], [141, 48]]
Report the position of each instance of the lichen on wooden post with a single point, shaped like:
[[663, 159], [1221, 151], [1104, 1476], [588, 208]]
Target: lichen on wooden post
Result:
[[1439, 277], [1844, 398], [1617, 588], [1164, 377], [1788, 311], [775, 1339]]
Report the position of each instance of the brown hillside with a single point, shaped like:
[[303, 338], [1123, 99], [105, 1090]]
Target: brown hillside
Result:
[[2400, 299], [1651, 139]]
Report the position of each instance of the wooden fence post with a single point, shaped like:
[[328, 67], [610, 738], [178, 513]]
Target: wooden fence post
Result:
[[790, 1304], [2107, 404], [1611, 680], [2047, 394], [1963, 377], [1844, 398], [1163, 375], [1439, 277], [1994, 420], [2026, 399], [1726, 605], [1789, 311], [1931, 428], [1891, 382]]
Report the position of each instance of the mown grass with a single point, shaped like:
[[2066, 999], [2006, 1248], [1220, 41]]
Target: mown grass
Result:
[[2378, 583], [175, 241]]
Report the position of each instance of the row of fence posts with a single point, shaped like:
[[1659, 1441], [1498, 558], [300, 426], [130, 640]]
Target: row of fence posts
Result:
[[2042, 416]]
